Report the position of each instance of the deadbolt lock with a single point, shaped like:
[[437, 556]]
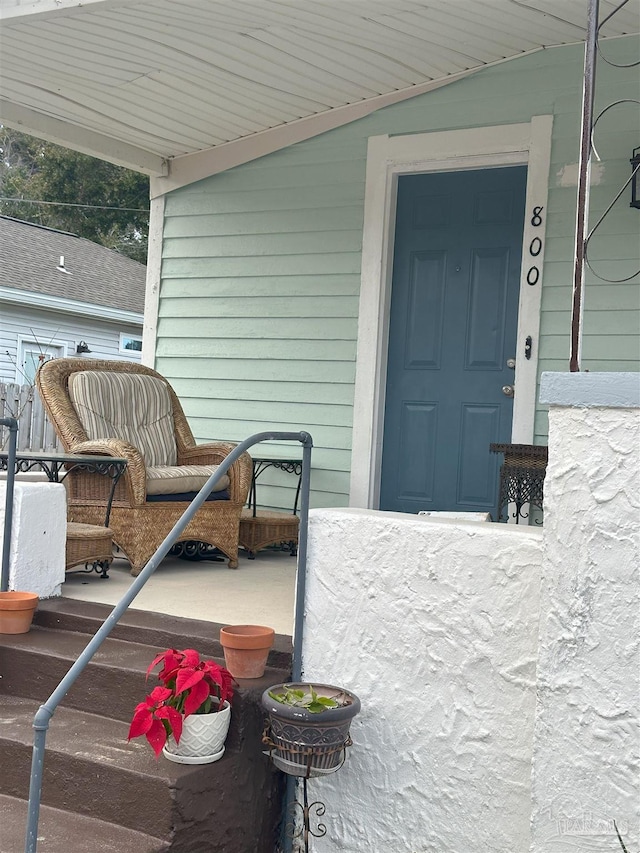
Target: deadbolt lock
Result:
[[511, 362]]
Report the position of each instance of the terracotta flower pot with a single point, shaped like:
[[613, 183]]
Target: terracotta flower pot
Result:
[[16, 611], [246, 649]]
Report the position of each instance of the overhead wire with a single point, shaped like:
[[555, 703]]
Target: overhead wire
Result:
[[72, 204]]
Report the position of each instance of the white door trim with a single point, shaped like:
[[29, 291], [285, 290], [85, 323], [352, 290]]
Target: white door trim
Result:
[[388, 157]]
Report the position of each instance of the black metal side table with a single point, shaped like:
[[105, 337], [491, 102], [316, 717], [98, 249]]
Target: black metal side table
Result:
[[260, 528], [521, 479], [57, 465], [260, 465], [87, 545]]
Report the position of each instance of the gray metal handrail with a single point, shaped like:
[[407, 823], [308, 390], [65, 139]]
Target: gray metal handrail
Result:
[[12, 423], [46, 711]]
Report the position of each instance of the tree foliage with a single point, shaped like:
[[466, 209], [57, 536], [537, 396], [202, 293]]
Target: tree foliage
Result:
[[33, 169]]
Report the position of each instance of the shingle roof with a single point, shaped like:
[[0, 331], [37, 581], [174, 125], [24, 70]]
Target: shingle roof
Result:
[[30, 254]]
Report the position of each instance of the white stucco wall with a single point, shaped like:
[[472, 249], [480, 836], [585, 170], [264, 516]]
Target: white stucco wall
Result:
[[38, 537], [434, 625], [438, 627], [586, 767]]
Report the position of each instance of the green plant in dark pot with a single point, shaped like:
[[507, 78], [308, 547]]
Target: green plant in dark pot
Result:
[[308, 726]]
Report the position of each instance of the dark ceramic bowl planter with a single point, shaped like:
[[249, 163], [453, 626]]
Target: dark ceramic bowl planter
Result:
[[303, 743]]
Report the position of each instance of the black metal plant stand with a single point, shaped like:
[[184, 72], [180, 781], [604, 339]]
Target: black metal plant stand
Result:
[[309, 813]]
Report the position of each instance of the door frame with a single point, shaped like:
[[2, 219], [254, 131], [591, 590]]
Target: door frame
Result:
[[32, 343], [526, 144]]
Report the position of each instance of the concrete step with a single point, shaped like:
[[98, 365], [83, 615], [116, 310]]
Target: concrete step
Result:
[[92, 770], [154, 629], [63, 832], [113, 682], [93, 776], [90, 767]]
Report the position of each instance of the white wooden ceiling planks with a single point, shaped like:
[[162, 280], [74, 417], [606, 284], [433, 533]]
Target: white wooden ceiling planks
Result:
[[143, 82]]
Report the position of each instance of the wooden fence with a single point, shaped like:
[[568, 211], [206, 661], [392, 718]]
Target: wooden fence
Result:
[[34, 430]]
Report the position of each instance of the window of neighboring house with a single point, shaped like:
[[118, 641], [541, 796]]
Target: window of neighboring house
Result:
[[31, 355], [130, 344]]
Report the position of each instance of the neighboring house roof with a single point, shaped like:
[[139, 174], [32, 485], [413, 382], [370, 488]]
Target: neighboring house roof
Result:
[[30, 261], [156, 84]]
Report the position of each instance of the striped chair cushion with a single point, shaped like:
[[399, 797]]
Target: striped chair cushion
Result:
[[171, 480], [130, 406]]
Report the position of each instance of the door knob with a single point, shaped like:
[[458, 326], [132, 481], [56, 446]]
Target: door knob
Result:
[[508, 390]]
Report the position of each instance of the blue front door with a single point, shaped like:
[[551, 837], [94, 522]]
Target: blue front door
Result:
[[454, 304]]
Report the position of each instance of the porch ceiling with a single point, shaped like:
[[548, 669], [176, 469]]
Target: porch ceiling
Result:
[[146, 83]]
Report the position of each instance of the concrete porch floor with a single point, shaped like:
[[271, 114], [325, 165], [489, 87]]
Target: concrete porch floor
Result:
[[259, 592]]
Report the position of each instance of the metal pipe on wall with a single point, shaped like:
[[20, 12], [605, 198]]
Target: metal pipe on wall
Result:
[[584, 178], [12, 423]]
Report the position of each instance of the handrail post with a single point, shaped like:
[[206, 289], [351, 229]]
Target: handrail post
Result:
[[12, 423], [301, 578], [46, 710], [41, 726]]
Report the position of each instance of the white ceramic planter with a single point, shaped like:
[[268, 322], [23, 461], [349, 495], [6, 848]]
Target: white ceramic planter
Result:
[[202, 739]]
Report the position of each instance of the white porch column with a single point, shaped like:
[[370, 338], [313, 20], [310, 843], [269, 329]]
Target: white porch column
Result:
[[38, 537], [585, 755]]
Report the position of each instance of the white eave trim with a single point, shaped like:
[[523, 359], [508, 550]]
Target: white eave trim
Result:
[[80, 139], [189, 168], [29, 299], [45, 8]]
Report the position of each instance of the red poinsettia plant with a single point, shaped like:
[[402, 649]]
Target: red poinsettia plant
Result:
[[189, 686]]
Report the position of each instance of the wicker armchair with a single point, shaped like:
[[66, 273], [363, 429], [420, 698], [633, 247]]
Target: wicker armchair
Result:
[[139, 520]]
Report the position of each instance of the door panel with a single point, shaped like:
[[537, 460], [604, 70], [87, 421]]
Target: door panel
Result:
[[424, 310], [486, 314], [418, 429], [476, 483], [452, 327]]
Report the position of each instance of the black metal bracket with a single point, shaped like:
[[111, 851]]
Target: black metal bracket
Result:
[[303, 817]]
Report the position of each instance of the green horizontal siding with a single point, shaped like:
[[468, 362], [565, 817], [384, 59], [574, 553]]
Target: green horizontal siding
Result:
[[326, 437], [261, 265], [249, 287], [279, 265], [290, 411], [311, 373], [619, 298], [259, 245], [193, 202], [280, 222], [264, 307], [284, 349]]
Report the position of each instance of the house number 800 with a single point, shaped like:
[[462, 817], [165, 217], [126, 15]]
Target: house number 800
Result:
[[535, 247]]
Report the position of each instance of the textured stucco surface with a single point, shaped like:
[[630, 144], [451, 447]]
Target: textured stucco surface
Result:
[[38, 537], [434, 625], [586, 770]]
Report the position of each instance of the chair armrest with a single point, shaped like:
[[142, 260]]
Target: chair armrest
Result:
[[213, 453], [135, 475]]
